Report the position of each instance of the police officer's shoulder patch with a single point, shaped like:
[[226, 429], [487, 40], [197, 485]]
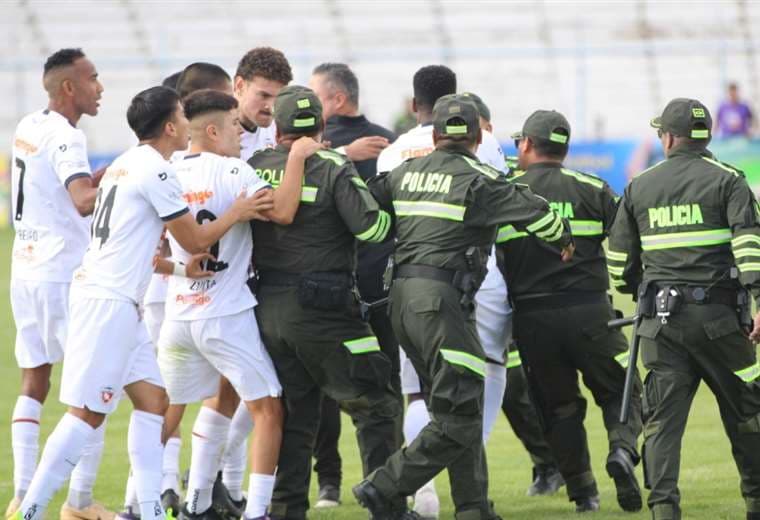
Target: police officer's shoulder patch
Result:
[[736, 172], [332, 155]]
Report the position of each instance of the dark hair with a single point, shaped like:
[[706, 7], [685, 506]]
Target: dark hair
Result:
[[431, 83], [207, 100], [342, 78], [62, 58], [266, 62], [171, 81], [550, 149], [150, 110], [197, 76]]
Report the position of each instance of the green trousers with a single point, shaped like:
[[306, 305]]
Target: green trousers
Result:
[[557, 343], [700, 343], [441, 340], [332, 352]]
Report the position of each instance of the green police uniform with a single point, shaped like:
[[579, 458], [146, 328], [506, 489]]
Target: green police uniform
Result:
[[308, 313], [447, 207], [689, 222], [560, 315]]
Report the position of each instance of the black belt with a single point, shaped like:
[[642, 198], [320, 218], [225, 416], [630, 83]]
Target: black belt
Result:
[[425, 271], [702, 295], [555, 300], [294, 279]]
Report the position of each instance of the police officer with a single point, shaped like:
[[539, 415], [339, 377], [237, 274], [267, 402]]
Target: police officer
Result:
[[308, 313], [561, 312], [447, 206], [683, 228]]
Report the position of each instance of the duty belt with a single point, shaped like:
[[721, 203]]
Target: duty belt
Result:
[[536, 302], [703, 295], [294, 279], [426, 271]]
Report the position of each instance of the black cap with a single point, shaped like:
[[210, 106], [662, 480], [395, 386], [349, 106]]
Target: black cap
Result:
[[456, 106], [685, 118], [546, 124], [482, 108], [297, 110]]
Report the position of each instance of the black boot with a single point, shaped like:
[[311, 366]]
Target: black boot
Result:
[[546, 481], [381, 508], [587, 504], [620, 468]]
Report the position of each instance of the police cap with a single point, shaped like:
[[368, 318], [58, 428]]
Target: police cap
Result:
[[456, 115], [482, 108], [685, 118], [546, 124], [297, 110]]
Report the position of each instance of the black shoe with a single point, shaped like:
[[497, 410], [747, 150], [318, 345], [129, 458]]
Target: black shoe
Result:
[[222, 502], [546, 481], [753, 516], [240, 505], [329, 496], [587, 504], [208, 514], [620, 468], [170, 503], [381, 508]]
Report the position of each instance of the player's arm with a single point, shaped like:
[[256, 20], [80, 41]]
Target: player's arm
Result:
[[71, 165], [287, 196], [624, 249], [193, 269], [83, 194], [358, 208]]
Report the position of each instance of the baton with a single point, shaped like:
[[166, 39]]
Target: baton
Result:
[[366, 308], [633, 356]]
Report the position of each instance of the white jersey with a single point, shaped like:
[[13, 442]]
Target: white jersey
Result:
[[51, 236], [210, 185], [262, 138], [418, 142], [138, 193]]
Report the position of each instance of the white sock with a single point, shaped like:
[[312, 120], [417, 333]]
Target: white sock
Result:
[[209, 435], [170, 478], [83, 477], [145, 455], [260, 488], [130, 494], [415, 420], [25, 438], [495, 383], [236, 452], [62, 451]]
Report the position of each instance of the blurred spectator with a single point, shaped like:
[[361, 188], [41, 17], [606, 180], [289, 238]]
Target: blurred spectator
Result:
[[735, 118], [406, 120]]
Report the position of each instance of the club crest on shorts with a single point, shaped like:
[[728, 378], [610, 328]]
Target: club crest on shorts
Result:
[[106, 394]]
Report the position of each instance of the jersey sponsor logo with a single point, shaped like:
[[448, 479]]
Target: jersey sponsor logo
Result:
[[193, 299], [106, 394], [114, 174], [426, 182], [197, 197], [563, 209], [24, 146], [25, 253], [678, 215], [413, 153]]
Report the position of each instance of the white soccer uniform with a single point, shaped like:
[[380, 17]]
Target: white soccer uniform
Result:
[[494, 315], [261, 139], [210, 328], [51, 236], [107, 347]]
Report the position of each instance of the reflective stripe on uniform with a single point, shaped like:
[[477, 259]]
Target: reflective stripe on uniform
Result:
[[542, 222], [483, 168], [623, 359], [507, 233], [585, 178], [463, 359], [423, 208], [553, 233], [309, 193], [618, 283], [514, 359], [614, 270], [708, 237], [749, 374], [746, 267], [362, 345], [586, 228], [721, 165], [743, 239], [377, 231]]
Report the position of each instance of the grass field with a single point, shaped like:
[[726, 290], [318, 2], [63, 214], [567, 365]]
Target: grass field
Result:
[[709, 481]]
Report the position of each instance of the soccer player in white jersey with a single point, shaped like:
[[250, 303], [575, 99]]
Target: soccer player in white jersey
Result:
[[210, 327], [53, 193], [430, 83], [105, 349]]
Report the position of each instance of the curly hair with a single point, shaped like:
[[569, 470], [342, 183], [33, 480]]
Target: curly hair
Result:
[[267, 63], [432, 82], [62, 58]]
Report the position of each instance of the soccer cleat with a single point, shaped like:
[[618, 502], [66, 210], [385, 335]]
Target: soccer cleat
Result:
[[171, 503], [329, 496], [587, 504], [94, 511], [128, 514], [208, 514], [12, 508], [426, 503], [381, 508], [620, 468], [222, 502], [546, 481]]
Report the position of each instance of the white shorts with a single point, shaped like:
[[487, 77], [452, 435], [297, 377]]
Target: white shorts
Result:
[[153, 315], [193, 354], [41, 311], [410, 381], [108, 348]]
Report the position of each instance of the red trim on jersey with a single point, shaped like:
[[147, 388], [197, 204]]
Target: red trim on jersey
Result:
[[35, 421], [199, 435]]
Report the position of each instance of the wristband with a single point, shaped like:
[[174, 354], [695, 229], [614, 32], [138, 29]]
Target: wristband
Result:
[[341, 150], [180, 269]]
